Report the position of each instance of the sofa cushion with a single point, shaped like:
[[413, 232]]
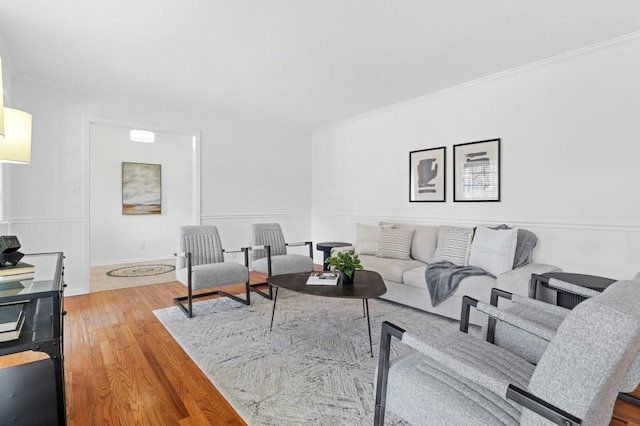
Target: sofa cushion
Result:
[[415, 277], [366, 239], [389, 269], [527, 241], [424, 242], [493, 250], [453, 244], [395, 243]]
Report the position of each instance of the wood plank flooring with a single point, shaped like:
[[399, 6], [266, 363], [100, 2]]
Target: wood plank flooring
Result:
[[123, 367]]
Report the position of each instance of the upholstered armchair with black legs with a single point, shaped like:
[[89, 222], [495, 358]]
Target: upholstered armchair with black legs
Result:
[[200, 264], [269, 254], [529, 338], [459, 379]]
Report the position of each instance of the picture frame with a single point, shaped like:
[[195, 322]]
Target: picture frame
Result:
[[141, 188], [476, 171], [427, 175]]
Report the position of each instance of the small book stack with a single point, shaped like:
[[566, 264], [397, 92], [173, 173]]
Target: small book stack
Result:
[[323, 278], [17, 272], [11, 320], [14, 279]]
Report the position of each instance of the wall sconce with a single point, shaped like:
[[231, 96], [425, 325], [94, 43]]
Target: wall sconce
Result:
[[16, 145], [1, 103], [142, 136]]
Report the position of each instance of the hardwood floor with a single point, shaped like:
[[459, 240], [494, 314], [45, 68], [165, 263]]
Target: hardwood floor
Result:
[[123, 367]]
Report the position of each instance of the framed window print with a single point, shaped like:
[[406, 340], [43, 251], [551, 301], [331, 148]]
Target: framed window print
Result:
[[427, 175], [476, 171]]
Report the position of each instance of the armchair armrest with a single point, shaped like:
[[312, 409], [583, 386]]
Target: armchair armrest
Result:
[[302, 243], [500, 315], [496, 385], [565, 286], [496, 293], [244, 250], [298, 243], [240, 250]]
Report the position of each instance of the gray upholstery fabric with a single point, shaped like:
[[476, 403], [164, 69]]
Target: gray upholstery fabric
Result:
[[530, 345], [286, 264], [522, 343], [207, 259], [270, 234], [425, 392], [281, 262], [214, 275], [584, 366], [458, 379], [203, 242]]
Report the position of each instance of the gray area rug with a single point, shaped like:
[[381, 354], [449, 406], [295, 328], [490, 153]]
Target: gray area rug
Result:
[[314, 368]]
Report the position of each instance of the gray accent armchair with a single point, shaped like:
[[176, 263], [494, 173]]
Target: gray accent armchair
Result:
[[527, 326], [268, 253], [459, 379], [200, 264]]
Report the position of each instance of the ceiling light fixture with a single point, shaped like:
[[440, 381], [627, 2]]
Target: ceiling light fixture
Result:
[[16, 145], [1, 103], [142, 136]]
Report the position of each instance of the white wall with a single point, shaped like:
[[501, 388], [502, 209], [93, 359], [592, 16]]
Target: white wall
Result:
[[250, 171], [570, 153], [118, 238]]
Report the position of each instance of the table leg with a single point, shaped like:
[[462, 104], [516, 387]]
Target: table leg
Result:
[[366, 303], [363, 311], [273, 310]]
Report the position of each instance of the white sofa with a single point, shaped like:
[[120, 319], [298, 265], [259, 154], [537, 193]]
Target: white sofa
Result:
[[405, 278]]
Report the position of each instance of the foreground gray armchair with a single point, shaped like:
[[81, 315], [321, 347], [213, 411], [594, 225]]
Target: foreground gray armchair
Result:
[[269, 254], [200, 264], [459, 379], [527, 326]]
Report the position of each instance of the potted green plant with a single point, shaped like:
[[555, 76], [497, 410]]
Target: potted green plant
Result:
[[346, 262]]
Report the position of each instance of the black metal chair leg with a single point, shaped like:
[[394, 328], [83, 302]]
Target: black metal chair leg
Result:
[[273, 310]]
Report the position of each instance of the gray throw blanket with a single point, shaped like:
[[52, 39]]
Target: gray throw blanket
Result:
[[443, 279]]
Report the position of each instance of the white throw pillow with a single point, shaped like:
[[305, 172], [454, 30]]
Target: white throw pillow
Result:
[[453, 245], [366, 239], [395, 243], [494, 250]]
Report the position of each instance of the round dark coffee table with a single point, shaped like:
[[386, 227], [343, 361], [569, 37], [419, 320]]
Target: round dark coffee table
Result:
[[366, 284]]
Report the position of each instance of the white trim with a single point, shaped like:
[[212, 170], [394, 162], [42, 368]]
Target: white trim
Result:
[[468, 222], [39, 220], [136, 260], [253, 216], [482, 80]]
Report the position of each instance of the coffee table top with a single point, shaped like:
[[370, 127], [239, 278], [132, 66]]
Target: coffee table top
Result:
[[366, 284]]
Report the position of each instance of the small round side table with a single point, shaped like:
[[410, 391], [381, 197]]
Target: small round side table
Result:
[[325, 248]]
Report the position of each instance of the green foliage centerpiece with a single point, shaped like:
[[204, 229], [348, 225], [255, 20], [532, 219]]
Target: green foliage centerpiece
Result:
[[346, 262]]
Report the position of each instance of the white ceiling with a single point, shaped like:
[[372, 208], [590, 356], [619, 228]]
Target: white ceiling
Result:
[[295, 62]]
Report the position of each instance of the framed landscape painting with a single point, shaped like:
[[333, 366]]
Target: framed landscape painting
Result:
[[476, 171], [141, 188], [427, 175]]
